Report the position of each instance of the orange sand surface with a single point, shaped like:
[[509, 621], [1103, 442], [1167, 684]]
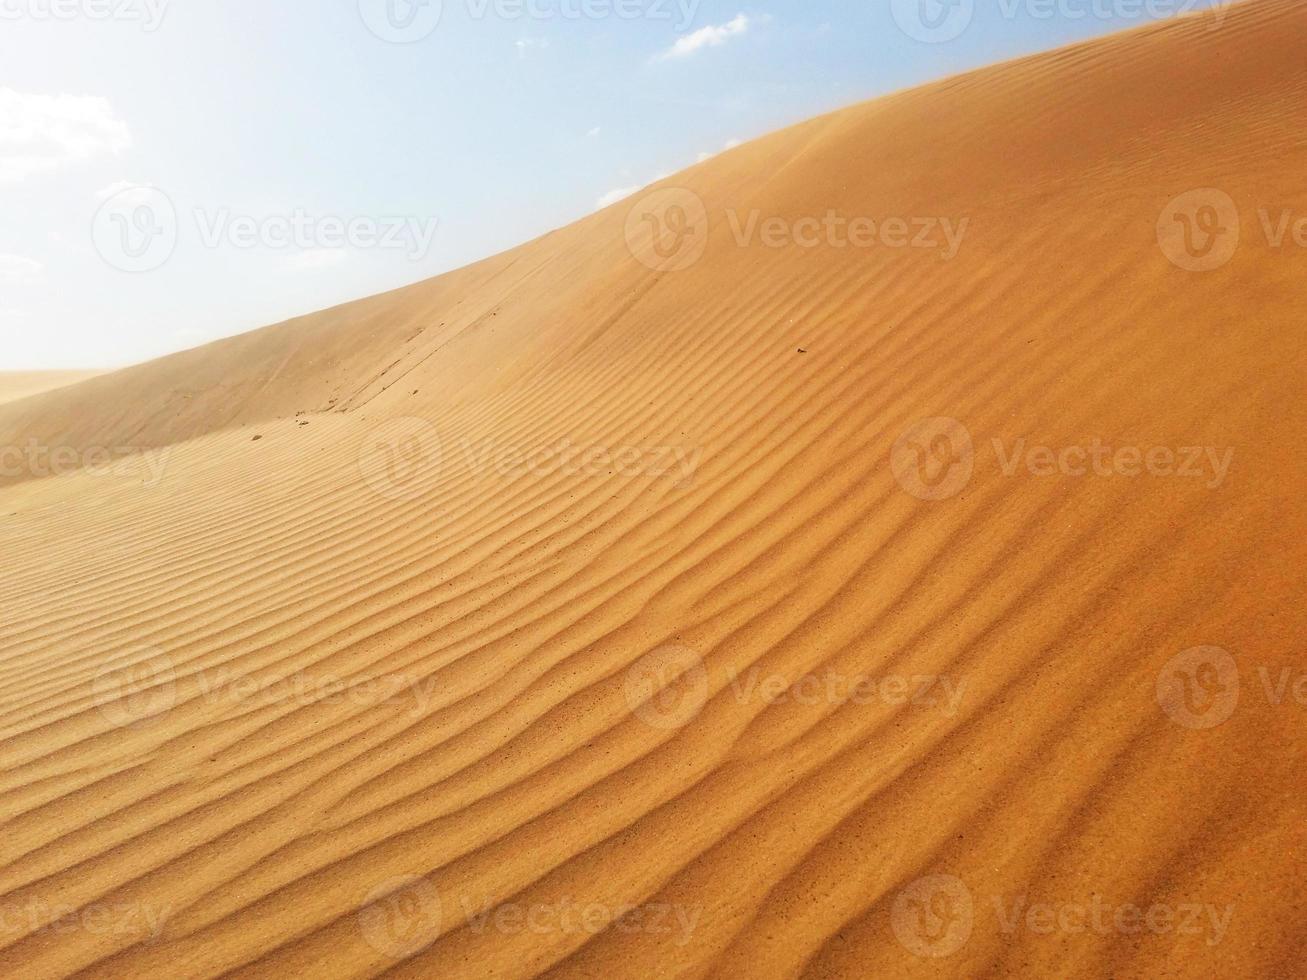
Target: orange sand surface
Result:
[[714, 605]]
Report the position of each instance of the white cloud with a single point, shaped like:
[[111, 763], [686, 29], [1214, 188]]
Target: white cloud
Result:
[[613, 196], [622, 193], [706, 37], [594, 132], [41, 133], [730, 145], [529, 43], [19, 268]]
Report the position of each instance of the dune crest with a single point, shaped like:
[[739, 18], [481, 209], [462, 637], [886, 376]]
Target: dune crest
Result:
[[845, 558]]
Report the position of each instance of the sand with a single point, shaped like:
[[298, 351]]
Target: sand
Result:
[[767, 609]]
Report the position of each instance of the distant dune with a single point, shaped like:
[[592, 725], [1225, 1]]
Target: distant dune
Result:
[[23, 384], [876, 551]]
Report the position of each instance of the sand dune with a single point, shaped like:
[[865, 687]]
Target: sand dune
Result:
[[782, 595], [15, 385]]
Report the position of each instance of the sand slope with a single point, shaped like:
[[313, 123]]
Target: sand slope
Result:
[[176, 625]]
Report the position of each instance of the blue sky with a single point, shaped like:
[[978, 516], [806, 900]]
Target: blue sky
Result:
[[269, 125]]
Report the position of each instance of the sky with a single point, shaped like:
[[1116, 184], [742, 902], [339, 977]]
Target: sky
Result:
[[176, 171]]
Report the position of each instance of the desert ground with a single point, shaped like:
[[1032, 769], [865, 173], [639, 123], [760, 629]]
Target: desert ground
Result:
[[722, 585]]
